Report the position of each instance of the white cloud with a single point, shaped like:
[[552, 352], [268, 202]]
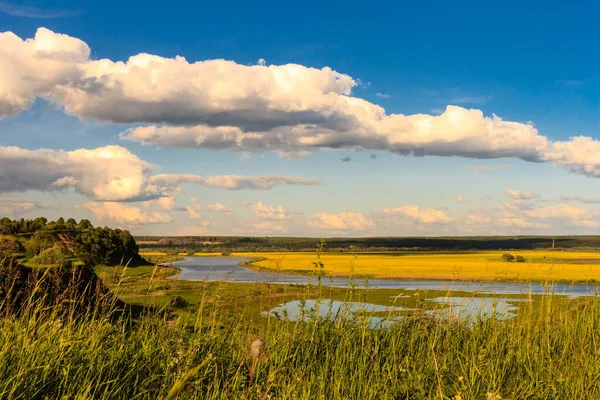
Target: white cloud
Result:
[[345, 221], [269, 227], [217, 207], [112, 173], [473, 219], [13, 208], [192, 214], [123, 214], [263, 211], [478, 168], [19, 10], [108, 173], [520, 214], [168, 202], [231, 182], [419, 215], [458, 198], [479, 100], [383, 95], [196, 208], [559, 212], [580, 155], [36, 67], [456, 132], [290, 109], [520, 195], [520, 223], [580, 199], [198, 229]]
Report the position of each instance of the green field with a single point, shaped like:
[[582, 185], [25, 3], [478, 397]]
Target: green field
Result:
[[132, 330], [202, 349]]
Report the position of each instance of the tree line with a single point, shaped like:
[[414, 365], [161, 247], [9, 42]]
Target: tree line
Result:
[[92, 245], [454, 244]]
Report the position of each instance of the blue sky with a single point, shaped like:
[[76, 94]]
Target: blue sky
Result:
[[531, 64]]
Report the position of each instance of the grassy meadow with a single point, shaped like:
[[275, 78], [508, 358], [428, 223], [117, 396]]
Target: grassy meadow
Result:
[[543, 265], [203, 350], [222, 340]]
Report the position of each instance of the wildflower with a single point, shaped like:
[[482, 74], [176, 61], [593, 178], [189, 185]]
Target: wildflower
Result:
[[457, 396], [256, 347], [460, 379]]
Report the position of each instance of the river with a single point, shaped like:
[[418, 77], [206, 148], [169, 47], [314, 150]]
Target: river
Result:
[[228, 269]]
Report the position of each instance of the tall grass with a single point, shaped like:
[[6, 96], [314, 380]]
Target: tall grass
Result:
[[546, 352]]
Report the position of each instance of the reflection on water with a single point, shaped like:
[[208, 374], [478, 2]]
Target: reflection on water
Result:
[[227, 269], [464, 308], [471, 308], [305, 310]]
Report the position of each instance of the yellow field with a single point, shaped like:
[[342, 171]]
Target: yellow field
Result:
[[152, 253], [539, 265], [161, 253]]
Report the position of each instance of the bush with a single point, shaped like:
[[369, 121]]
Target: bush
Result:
[[10, 247], [508, 257], [520, 259], [55, 256], [179, 302]]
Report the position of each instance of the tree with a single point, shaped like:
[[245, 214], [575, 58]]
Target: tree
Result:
[[508, 257], [9, 247]]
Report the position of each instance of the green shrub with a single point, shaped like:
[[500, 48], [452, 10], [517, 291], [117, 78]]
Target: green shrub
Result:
[[10, 247], [55, 256], [508, 257], [179, 302], [520, 259]]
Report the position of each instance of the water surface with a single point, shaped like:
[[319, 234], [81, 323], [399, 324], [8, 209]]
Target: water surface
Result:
[[464, 308], [228, 269]]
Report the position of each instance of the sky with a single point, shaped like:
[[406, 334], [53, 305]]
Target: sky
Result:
[[302, 119]]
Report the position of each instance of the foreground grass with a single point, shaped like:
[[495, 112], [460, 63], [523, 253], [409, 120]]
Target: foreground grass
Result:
[[547, 352], [539, 265]]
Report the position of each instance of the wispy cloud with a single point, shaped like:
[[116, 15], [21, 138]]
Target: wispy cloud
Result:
[[478, 168], [383, 95], [519, 194], [479, 100], [19, 10], [579, 199], [346, 159], [572, 83], [458, 198]]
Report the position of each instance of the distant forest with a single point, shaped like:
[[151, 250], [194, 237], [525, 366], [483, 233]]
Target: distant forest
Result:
[[91, 245], [233, 243]]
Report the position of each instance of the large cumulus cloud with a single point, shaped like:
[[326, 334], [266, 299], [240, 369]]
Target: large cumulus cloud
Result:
[[456, 132], [108, 173], [222, 105], [111, 173], [37, 67]]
